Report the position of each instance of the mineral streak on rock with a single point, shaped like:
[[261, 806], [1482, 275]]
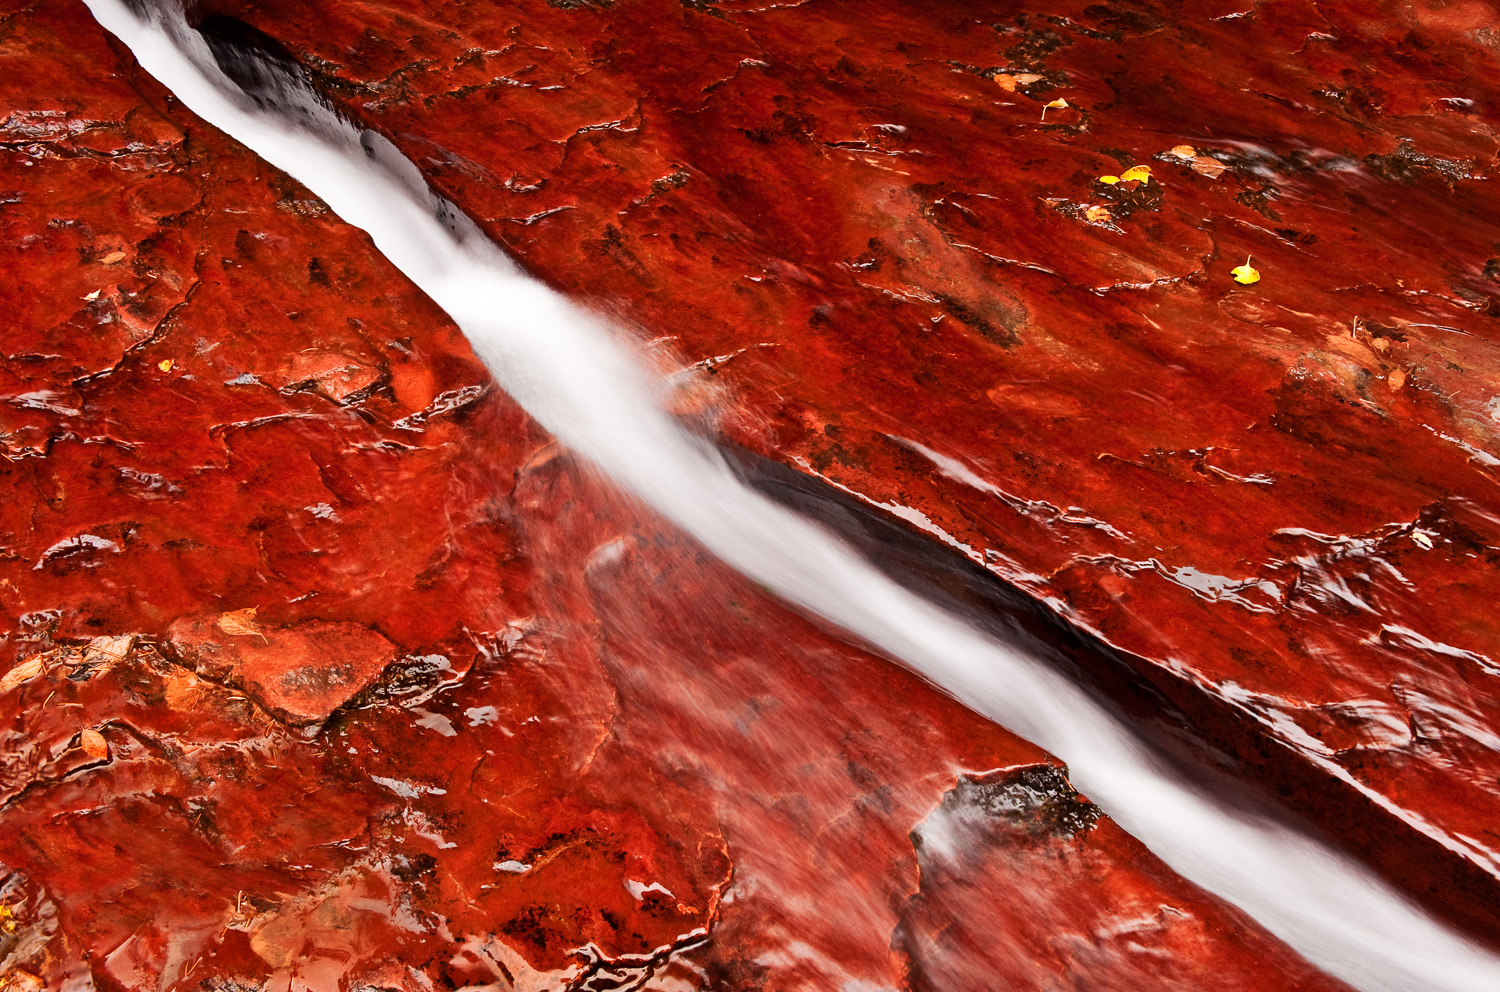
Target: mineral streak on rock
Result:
[[324, 668], [1276, 500]]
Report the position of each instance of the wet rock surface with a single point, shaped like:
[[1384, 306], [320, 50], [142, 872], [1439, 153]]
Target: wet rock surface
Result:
[[994, 842], [913, 246], [301, 673], [323, 667]]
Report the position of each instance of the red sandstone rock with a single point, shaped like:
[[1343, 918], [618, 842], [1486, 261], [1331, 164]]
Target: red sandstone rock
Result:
[[338, 377], [599, 756], [1277, 501], [300, 673], [962, 929]]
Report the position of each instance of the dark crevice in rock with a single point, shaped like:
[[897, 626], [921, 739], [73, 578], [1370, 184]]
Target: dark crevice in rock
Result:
[[1208, 738]]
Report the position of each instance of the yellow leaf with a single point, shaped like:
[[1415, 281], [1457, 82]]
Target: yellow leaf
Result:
[[92, 296], [113, 257], [24, 672], [1109, 180], [1139, 173], [240, 623], [1245, 274], [165, 364], [1183, 151], [1058, 104], [1097, 215], [93, 743]]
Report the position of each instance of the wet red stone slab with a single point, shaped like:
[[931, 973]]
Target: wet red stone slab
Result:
[[324, 668], [300, 673], [910, 241]]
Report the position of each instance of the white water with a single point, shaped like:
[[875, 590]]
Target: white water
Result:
[[577, 381]]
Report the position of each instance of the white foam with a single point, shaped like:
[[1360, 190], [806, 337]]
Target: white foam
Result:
[[572, 374]]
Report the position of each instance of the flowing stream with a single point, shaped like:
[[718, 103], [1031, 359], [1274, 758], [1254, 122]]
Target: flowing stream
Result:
[[578, 380]]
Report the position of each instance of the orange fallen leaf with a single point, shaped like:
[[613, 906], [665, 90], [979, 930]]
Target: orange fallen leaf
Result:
[[115, 646], [1396, 379], [113, 257], [182, 692], [1097, 215], [1137, 173], [1183, 151], [240, 623], [93, 743], [24, 672]]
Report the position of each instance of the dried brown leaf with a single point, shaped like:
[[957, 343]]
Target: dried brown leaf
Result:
[[1396, 379], [93, 743], [1210, 167], [1008, 81], [23, 672], [240, 623], [113, 647]]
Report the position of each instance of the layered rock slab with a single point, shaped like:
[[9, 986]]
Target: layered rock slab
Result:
[[300, 673], [324, 668], [903, 240]]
